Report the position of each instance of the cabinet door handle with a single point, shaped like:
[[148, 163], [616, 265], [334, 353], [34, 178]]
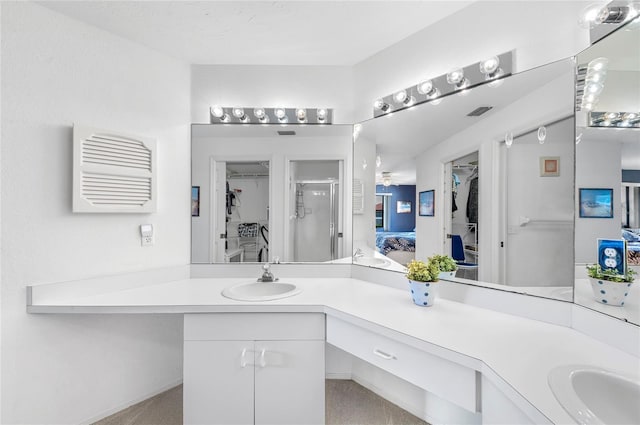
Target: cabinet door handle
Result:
[[262, 361], [384, 355], [243, 358]]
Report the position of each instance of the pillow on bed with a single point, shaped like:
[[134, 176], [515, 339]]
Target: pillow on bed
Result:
[[630, 236]]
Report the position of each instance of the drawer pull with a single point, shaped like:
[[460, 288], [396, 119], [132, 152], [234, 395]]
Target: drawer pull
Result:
[[384, 355]]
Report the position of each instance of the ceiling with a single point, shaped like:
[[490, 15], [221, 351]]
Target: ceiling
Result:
[[315, 33]]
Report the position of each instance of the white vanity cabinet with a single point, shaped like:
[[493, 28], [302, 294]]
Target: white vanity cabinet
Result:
[[254, 368]]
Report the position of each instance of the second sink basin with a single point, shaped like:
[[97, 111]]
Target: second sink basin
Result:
[[261, 291], [595, 396]]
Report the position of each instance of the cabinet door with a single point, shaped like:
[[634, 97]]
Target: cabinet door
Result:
[[218, 382], [289, 382]]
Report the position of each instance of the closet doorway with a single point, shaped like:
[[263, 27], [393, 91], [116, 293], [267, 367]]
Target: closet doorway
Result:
[[461, 220], [241, 211]]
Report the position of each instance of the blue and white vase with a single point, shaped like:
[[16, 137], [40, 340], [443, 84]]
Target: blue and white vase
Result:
[[610, 293], [423, 293], [447, 275]]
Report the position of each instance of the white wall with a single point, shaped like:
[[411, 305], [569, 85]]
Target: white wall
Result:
[[598, 160], [539, 32], [272, 86], [61, 369]]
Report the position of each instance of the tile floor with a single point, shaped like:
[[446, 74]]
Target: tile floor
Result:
[[347, 403]]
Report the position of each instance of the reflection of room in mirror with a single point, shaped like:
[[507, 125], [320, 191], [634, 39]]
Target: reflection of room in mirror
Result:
[[610, 158]]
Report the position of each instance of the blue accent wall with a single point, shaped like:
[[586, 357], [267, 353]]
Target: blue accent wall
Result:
[[400, 222], [631, 176]]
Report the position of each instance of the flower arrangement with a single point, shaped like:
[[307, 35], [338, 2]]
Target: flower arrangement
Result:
[[445, 263], [595, 271], [421, 271]]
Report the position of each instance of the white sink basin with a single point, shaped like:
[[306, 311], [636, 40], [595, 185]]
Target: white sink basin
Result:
[[592, 395], [261, 291], [372, 261]]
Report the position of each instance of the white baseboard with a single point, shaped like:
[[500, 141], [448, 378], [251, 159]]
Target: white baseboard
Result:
[[130, 403], [342, 376]]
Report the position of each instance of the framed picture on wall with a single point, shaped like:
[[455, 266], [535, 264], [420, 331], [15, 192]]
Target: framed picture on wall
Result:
[[426, 203], [549, 166], [596, 203], [403, 207], [195, 201]]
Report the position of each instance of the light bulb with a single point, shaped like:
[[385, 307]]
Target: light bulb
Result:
[[489, 66], [381, 105], [508, 139], [631, 117], [455, 77], [593, 88], [217, 111], [281, 114], [301, 114], [238, 112], [259, 113], [425, 87], [400, 96], [593, 15], [542, 134], [611, 115], [598, 64], [321, 113]]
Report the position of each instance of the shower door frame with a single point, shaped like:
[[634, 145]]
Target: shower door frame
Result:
[[343, 228]]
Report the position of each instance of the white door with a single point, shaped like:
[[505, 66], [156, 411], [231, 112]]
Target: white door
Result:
[[218, 382], [289, 382]]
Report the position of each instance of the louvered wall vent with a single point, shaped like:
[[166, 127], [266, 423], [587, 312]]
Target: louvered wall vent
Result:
[[358, 197], [113, 172]]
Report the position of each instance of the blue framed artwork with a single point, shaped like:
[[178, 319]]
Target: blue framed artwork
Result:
[[596, 203], [195, 201], [612, 255], [426, 203]]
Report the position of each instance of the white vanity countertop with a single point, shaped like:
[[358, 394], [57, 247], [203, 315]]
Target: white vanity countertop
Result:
[[519, 351]]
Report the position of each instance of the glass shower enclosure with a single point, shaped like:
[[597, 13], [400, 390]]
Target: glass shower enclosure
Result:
[[316, 211]]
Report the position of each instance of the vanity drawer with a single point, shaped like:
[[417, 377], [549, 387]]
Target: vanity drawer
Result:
[[444, 378], [253, 326]]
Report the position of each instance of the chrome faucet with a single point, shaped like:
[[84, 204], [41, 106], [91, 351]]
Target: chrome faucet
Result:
[[358, 254], [267, 276]]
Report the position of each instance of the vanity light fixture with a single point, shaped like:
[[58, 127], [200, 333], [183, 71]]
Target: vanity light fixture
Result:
[[280, 115], [601, 20], [590, 80], [431, 90], [614, 119]]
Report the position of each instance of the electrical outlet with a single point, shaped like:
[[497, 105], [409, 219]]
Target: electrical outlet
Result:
[[146, 234]]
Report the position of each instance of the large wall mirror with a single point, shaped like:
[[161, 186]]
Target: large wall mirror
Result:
[[506, 208], [271, 193], [608, 159]]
